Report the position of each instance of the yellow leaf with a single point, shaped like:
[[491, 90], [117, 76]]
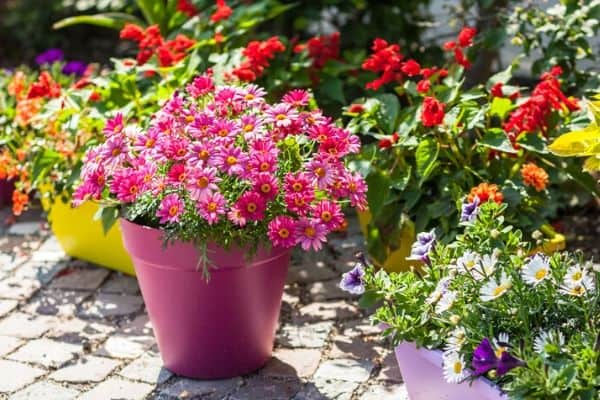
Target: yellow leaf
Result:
[[576, 143], [592, 164]]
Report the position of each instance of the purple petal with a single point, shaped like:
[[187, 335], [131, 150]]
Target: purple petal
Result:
[[507, 362], [484, 357]]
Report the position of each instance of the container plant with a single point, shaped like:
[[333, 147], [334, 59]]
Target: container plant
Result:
[[230, 184], [489, 316], [430, 138]]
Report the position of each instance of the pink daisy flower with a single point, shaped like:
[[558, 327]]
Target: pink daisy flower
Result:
[[231, 160], [200, 86], [175, 148], [297, 98], [252, 206], [202, 154], [170, 209], [281, 115], [202, 182], [310, 233], [224, 128], [299, 202], [321, 132], [113, 125], [235, 216], [127, 184], [299, 182], [329, 213], [177, 175], [282, 231], [322, 170], [211, 207], [199, 128], [262, 162], [253, 95], [114, 150], [357, 191], [265, 184], [146, 141]]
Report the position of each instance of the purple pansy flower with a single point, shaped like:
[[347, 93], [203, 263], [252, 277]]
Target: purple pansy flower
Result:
[[74, 68], [421, 248], [49, 56], [485, 359], [352, 281], [470, 210]]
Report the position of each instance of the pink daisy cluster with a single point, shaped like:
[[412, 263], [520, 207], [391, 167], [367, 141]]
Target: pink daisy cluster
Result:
[[222, 156]]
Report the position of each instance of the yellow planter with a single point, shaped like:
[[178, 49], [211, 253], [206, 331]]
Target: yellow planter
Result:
[[396, 258], [82, 237]]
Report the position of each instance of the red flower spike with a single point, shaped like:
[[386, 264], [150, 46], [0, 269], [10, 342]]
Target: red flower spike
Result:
[[432, 113], [223, 11], [466, 35]]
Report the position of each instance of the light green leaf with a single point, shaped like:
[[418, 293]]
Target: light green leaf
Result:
[[496, 139], [106, 20], [426, 156]]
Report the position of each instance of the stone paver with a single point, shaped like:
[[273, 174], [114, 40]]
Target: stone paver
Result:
[[80, 279], [46, 391], [121, 389], [307, 335], [345, 369], [89, 369], [112, 305], [8, 344], [119, 346], [290, 363], [25, 228], [25, 326], [16, 375], [184, 388], [71, 330], [7, 306], [148, 368], [48, 353]]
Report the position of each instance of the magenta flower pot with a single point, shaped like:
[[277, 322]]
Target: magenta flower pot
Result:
[[208, 330], [6, 191], [421, 370]]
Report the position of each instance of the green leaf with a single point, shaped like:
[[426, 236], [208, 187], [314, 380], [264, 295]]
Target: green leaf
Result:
[[42, 163], [108, 216], [496, 139], [533, 142], [502, 76], [368, 299], [426, 156], [501, 107], [387, 114], [106, 20], [334, 89], [378, 190]]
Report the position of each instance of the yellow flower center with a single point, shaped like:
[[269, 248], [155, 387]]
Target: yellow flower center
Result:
[[310, 232], [173, 211], [202, 182], [212, 206], [284, 233], [203, 155], [265, 188], [326, 216], [264, 166], [499, 290], [150, 143], [248, 127], [223, 132], [181, 152], [577, 276], [280, 117], [116, 152], [458, 367], [297, 187], [189, 118], [251, 207], [231, 160], [249, 96], [133, 190], [541, 274], [320, 172]]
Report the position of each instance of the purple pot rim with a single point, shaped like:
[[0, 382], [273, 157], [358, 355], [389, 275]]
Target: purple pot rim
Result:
[[275, 253]]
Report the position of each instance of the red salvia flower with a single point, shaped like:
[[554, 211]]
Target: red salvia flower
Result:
[[132, 32], [223, 11], [258, 55], [423, 86], [322, 49], [387, 60], [151, 42], [432, 113], [466, 35], [411, 68], [187, 8], [44, 87], [464, 40]]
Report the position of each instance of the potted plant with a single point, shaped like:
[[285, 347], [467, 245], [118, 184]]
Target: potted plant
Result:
[[431, 138], [229, 183], [484, 318]]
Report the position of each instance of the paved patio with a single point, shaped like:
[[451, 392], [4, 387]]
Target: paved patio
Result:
[[70, 330]]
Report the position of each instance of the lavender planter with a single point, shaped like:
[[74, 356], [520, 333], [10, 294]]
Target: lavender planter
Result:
[[6, 191], [422, 372], [216, 329]]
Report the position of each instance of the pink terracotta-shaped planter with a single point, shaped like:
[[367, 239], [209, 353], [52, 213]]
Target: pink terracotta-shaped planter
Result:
[[217, 329], [6, 191], [421, 370]]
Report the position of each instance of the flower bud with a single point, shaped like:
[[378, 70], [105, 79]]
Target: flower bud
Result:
[[454, 319], [517, 41], [537, 235], [494, 233], [492, 374]]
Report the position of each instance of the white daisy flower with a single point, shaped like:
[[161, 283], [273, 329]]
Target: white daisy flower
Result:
[[546, 338], [440, 289], [536, 270], [456, 340], [467, 262], [488, 264], [575, 275], [578, 289], [494, 289], [501, 343], [445, 302], [454, 368]]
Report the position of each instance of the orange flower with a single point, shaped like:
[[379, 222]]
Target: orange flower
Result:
[[486, 192], [534, 176], [27, 109], [19, 200], [16, 87]]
